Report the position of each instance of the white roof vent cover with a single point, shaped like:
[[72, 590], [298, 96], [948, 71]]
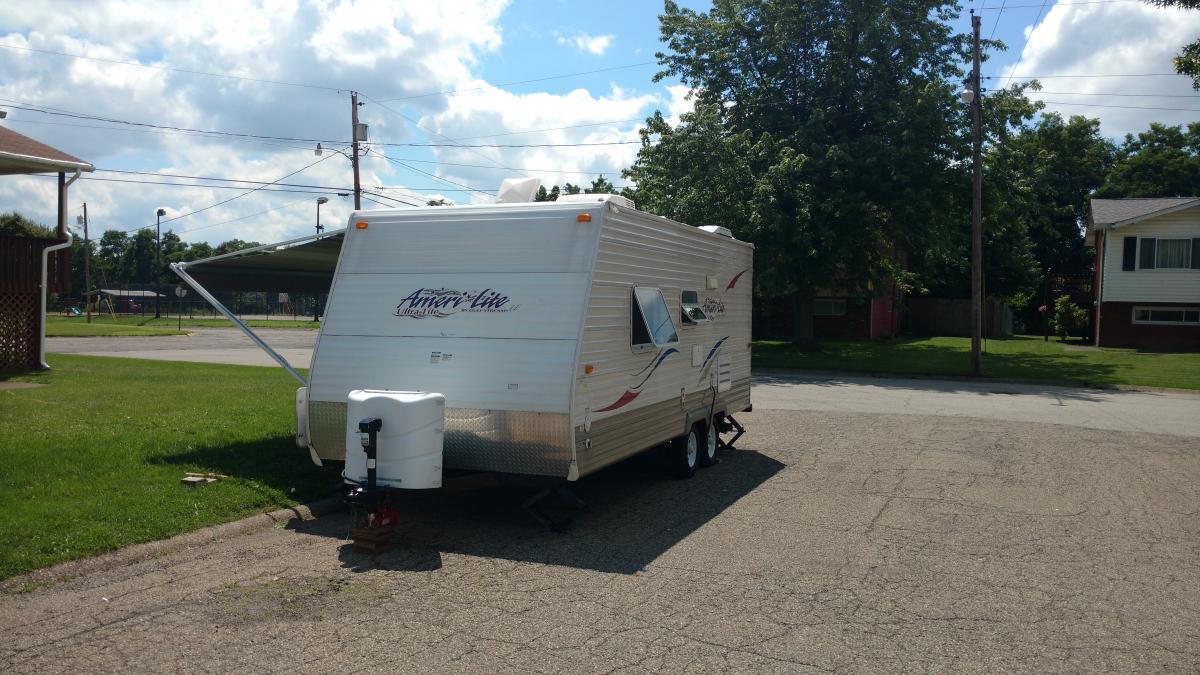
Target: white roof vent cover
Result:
[[585, 197], [717, 229], [515, 190]]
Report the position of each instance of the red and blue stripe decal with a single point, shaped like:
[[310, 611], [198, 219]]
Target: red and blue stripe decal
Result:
[[734, 280], [632, 392]]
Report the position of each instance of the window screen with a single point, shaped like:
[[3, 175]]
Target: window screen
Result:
[[1166, 315], [690, 310], [651, 320], [1173, 253]]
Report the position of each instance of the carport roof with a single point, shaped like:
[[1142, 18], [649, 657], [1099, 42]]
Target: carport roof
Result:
[[20, 154]]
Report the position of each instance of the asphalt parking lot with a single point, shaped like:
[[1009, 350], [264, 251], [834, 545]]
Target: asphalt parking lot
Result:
[[831, 541]]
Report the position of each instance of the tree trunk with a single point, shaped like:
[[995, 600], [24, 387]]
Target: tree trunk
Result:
[[802, 320]]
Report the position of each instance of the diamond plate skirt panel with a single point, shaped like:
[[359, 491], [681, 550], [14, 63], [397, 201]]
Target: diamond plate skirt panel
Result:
[[482, 440]]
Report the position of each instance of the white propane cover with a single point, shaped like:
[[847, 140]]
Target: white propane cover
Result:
[[409, 443]]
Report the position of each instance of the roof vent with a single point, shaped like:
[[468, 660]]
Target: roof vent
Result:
[[514, 190], [585, 197], [716, 229]]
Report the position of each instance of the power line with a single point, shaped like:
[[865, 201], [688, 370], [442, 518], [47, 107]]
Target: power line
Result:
[[509, 168], [306, 148], [234, 220], [1061, 4], [248, 192], [1097, 93], [426, 173], [997, 23], [209, 187], [224, 180], [1096, 75], [427, 130], [1123, 107], [171, 69], [457, 92], [67, 113], [538, 131], [1038, 18]]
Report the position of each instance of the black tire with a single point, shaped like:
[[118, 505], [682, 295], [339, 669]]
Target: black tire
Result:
[[683, 454], [707, 445]]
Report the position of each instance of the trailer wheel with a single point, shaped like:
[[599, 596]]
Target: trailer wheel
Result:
[[708, 444], [684, 455]]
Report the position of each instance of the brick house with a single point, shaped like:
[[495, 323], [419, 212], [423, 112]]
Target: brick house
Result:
[[1147, 277]]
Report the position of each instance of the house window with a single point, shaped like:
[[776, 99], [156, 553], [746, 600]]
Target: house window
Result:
[[829, 307], [1174, 253], [1167, 315], [690, 310], [650, 320], [1171, 254]]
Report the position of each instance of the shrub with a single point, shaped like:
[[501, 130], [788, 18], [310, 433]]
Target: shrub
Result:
[[1067, 317]]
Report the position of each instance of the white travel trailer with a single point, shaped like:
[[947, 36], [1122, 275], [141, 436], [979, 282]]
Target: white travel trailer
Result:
[[561, 336]]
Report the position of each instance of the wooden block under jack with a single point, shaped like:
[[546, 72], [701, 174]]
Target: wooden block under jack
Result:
[[193, 481], [372, 540]]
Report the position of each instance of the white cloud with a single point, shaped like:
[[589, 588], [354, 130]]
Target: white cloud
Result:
[[409, 48], [601, 135], [1110, 39], [590, 44], [405, 51]]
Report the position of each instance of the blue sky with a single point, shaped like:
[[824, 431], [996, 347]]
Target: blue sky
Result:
[[396, 53]]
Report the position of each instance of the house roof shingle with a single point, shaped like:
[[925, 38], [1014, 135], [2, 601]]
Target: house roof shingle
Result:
[[22, 154], [1112, 212]]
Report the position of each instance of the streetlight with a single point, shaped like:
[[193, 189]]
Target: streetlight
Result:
[[317, 295], [158, 260], [320, 201]]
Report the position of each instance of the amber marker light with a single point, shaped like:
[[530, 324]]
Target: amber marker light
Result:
[[362, 225], [583, 218], [588, 369]]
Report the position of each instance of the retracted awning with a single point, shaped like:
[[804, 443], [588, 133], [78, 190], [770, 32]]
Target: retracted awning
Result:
[[301, 268]]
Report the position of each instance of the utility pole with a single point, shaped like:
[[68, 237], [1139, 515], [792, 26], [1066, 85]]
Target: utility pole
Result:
[[976, 207], [354, 143], [87, 267]]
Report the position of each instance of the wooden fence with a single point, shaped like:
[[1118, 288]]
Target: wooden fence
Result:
[[20, 297]]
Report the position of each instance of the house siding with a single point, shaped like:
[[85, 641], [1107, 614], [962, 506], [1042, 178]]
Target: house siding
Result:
[[1117, 329], [1150, 286]]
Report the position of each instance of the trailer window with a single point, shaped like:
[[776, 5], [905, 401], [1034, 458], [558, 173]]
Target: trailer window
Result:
[[650, 320], [690, 310]]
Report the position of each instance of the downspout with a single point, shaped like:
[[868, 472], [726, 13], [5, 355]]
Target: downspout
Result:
[[46, 263], [1103, 237]]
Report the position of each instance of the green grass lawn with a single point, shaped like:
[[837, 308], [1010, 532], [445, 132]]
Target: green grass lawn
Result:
[[92, 462], [172, 322], [1018, 358]]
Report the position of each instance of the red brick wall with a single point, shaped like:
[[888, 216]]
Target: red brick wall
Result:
[[1118, 330]]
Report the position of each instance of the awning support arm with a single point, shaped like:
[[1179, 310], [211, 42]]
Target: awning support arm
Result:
[[178, 268]]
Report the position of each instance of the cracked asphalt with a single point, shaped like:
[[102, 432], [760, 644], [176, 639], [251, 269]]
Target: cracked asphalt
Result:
[[831, 541]]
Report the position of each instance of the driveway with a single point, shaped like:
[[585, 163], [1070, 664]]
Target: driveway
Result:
[[832, 540]]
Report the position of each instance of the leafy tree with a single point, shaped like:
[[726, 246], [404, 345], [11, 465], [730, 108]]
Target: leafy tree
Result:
[[15, 224], [438, 202], [1161, 162], [1188, 61], [544, 195], [107, 264], [841, 116]]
